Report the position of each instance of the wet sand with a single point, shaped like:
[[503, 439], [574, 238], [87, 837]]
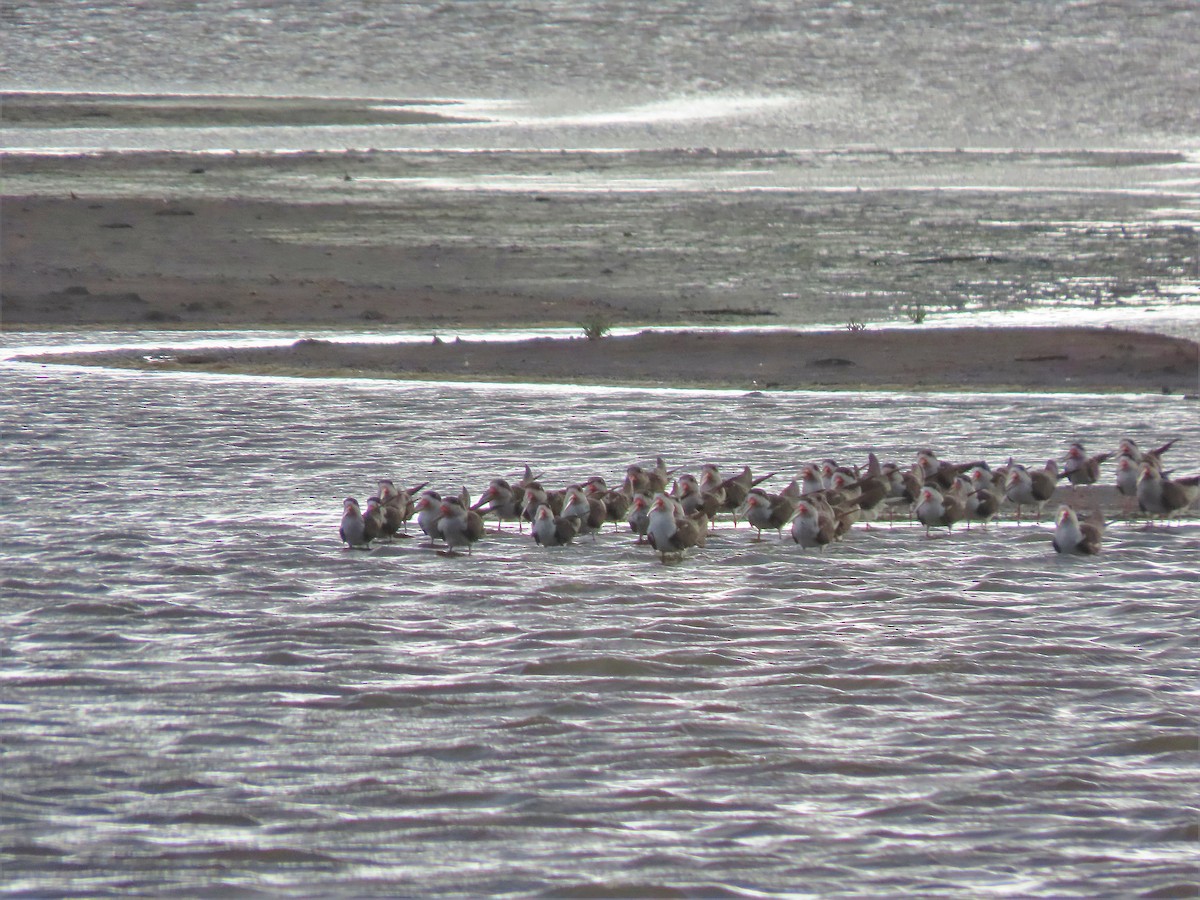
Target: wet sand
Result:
[[116, 252], [1051, 359], [207, 263]]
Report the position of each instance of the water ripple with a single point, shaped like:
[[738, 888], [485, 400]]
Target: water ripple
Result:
[[199, 682]]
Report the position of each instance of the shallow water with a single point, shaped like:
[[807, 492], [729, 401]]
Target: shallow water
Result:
[[602, 73], [203, 692], [802, 239]]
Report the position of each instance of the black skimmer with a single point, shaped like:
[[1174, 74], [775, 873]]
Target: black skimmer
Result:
[[1031, 487], [671, 532], [869, 493], [811, 481], [550, 530], [616, 503], [1081, 469], [589, 513], [353, 530], [1073, 536], [1128, 471], [535, 495], [428, 507], [398, 505], [810, 528], [938, 473], [459, 525], [763, 510], [1128, 447], [694, 499], [640, 480], [935, 510], [373, 520], [1165, 497], [639, 516], [502, 500], [983, 503], [737, 487]]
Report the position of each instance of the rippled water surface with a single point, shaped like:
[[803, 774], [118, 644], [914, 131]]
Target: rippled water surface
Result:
[[775, 73], [203, 692]]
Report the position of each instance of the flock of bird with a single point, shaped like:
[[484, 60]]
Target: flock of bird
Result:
[[674, 511]]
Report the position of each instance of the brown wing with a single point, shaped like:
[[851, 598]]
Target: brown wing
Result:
[[953, 510], [989, 504], [1159, 451], [717, 495], [743, 478], [842, 521], [474, 526], [735, 494], [564, 530], [1092, 535], [782, 510], [874, 492], [1042, 485], [1174, 495], [826, 531], [617, 506], [688, 533], [709, 506], [597, 513]]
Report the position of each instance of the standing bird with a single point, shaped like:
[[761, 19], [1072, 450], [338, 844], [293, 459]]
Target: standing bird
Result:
[[459, 525], [736, 487], [638, 479], [712, 486], [982, 503], [373, 521], [397, 505], [535, 495], [694, 499], [588, 513], [1028, 487], [940, 474], [906, 491], [810, 528], [502, 501], [827, 468], [937, 511], [1081, 469], [1164, 497], [394, 506], [616, 503], [639, 516], [353, 530], [1128, 447], [1073, 536], [1128, 471], [763, 510], [811, 481], [428, 507], [869, 493], [671, 532], [550, 530]]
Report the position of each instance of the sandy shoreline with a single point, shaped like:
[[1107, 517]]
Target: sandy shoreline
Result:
[[1051, 359], [169, 241]]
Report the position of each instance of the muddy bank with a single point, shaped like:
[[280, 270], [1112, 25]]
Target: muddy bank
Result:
[[434, 240], [1026, 359]]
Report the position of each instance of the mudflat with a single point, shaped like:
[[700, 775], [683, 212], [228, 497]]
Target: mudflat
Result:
[[1026, 359], [147, 242]]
